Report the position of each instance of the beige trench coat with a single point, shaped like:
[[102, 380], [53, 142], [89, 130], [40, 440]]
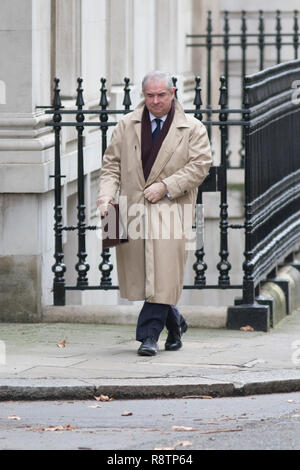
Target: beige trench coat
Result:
[[151, 266]]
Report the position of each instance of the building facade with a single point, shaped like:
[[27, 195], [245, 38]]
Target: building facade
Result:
[[43, 39]]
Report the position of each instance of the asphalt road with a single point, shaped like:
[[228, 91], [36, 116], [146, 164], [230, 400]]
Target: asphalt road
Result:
[[265, 422]]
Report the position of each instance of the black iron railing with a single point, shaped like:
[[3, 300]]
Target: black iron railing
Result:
[[272, 170], [272, 184], [270, 120], [216, 181], [255, 48]]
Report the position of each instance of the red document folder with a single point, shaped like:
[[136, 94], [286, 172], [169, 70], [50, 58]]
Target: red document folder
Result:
[[111, 225]]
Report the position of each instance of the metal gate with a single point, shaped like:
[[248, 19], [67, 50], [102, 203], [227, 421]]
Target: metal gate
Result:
[[262, 255], [263, 38]]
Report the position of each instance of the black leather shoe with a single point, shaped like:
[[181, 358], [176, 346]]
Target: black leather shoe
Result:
[[173, 341], [148, 347], [183, 325]]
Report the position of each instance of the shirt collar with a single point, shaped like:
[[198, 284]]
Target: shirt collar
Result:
[[152, 117]]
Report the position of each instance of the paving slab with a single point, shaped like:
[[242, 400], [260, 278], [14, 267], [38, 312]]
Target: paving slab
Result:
[[58, 360]]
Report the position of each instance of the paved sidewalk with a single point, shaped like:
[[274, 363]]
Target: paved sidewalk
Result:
[[99, 359]]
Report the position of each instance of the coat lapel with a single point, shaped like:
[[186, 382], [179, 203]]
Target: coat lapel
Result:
[[170, 143], [137, 126]]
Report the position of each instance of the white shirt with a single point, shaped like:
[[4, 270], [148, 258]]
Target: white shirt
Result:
[[153, 123]]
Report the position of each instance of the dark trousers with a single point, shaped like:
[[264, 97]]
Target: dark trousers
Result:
[[154, 317]]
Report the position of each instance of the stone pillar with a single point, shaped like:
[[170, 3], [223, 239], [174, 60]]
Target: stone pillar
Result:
[[119, 47], [93, 47], [173, 21], [66, 51], [144, 20], [146, 35], [199, 55], [24, 155]]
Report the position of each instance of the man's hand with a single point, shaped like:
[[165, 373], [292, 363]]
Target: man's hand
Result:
[[102, 204], [155, 192]]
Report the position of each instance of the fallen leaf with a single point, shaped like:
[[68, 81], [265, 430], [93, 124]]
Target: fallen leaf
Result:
[[178, 444], [126, 413], [103, 398], [183, 428], [53, 428], [183, 444], [67, 427], [17, 418], [62, 344], [247, 328], [34, 428]]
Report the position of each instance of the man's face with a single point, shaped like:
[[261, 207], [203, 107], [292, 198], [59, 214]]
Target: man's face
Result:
[[158, 98]]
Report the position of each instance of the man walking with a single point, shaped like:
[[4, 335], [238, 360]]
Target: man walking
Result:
[[157, 158]]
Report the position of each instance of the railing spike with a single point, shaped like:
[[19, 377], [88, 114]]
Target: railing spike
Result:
[[103, 99], [278, 35], [56, 98], [79, 100], [174, 80], [223, 92], [296, 37], [127, 100], [198, 99], [209, 23]]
